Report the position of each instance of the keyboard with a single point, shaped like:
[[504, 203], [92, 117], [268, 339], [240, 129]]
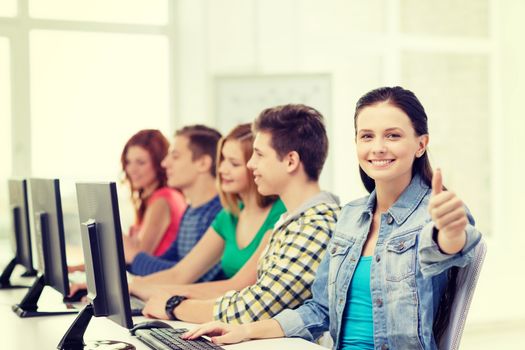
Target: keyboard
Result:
[[169, 339]]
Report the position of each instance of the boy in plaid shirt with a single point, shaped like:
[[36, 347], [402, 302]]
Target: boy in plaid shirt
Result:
[[290, 149]]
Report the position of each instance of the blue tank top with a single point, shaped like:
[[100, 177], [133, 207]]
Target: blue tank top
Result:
[[357, 330]]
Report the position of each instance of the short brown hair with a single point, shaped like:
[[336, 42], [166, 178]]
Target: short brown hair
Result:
[[299, 128], [242, 133], [202, 140]]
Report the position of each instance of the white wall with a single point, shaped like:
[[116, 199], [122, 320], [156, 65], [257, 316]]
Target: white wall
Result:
[[356, 44], [500, 292]]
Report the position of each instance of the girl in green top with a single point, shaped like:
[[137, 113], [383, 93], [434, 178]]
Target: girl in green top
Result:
[[236, 237], [225, 225]]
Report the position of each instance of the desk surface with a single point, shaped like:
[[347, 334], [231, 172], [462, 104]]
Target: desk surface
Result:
[[46, 332]]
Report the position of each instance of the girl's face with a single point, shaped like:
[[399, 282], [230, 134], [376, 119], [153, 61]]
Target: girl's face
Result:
[[139, 167], [387, 144], [232, 169]]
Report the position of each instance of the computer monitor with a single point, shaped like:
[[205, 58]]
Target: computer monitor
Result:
[[105, 265], [20, 235], [106, 276], [49, 239]]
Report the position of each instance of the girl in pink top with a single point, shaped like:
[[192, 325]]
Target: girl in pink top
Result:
[[177, 205], [158, 208]]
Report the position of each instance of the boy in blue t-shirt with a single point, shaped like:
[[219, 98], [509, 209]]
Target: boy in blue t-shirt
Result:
[[190, 167]]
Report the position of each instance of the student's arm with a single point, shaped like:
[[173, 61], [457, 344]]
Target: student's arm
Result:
[[288, 277], [308, 321], [284, 284], [223, 333], [246, 276], [156, 220], [206, 254], [190, 310]]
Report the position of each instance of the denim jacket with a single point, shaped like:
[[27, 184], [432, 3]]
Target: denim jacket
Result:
[[407, 275]]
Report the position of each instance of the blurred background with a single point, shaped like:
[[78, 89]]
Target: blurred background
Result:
[[78, 78]]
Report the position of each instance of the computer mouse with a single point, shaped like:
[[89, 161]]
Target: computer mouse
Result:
[[76, 297], [149, 325]]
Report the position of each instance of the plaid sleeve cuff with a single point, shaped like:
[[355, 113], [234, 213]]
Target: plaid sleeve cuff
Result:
[[221, 305]]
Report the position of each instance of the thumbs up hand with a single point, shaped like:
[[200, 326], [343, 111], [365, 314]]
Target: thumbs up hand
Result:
[[449, 216]]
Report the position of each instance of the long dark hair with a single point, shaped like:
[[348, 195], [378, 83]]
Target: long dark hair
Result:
[[406, 101]]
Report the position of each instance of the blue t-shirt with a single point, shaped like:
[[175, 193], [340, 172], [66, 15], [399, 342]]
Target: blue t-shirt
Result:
[[193, 225], [357, 331]]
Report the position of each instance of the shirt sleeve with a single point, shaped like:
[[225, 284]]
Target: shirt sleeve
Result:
[[145, 264], [286, 281], [433, 261], [310, 320], [220, 222]]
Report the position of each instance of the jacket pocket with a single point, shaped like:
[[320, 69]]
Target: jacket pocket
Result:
[[401, 256], [338, 250]]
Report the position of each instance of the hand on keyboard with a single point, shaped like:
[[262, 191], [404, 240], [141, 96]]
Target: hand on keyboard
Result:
[[169, 338], [222, 333]]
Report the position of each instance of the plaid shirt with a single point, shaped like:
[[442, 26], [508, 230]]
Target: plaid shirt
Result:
[[286, 269]]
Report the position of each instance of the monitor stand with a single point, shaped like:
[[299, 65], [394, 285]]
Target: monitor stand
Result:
[[5, 282], [28, 307], [74, 337]]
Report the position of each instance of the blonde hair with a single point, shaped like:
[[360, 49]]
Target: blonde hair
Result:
[[230, 201]]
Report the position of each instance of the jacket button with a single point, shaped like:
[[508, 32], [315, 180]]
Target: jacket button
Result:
[[378, 258], [390, 220], [385, 347], [379, 302], [334, 249], [341, 301]]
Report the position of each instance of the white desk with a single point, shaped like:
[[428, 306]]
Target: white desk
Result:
[[46, 332]]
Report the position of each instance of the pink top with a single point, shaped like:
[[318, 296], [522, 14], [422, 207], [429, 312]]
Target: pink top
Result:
[[177, 205]]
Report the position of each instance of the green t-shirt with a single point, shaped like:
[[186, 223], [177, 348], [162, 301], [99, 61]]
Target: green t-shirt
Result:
[[225, 224]]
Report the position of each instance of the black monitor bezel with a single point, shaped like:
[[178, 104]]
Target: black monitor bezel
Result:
[[49, 231], [110, 253]]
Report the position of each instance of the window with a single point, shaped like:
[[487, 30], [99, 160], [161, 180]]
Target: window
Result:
[[8, 8], [116, 11], [90, 93]]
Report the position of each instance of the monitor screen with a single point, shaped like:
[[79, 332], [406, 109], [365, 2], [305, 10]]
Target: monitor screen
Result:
[[103, 252], [20, 223], [49, 233]]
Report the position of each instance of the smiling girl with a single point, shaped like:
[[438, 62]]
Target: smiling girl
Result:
[[388, 278], [158, 208]]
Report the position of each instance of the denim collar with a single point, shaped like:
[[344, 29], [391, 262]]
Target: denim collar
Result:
[[405, 204]]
